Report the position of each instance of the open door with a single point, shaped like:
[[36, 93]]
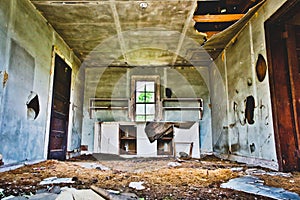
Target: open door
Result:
[[283, 41], [60, 110]]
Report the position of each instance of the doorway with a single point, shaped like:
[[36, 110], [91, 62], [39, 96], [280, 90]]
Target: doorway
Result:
[[60, 110], [283, 42]]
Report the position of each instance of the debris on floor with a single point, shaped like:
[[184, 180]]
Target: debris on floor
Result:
[[55, 180], [114, 195], [255, 171], [74, 194], [137, 185], [192, 179], [174, 164], [254, 185], [90, 165]]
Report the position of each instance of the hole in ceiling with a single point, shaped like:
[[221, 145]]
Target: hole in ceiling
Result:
[[261, 68]]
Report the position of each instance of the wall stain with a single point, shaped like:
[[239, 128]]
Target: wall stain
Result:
[[238, 112], [264, 112], [5, 78]]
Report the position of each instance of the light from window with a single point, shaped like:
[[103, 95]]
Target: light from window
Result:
[[145, 101]]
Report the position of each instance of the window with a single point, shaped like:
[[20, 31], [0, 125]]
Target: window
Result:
[[145, 97], [145, 101]]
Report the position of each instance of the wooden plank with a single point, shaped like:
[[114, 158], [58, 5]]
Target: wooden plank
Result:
[[217, 18]]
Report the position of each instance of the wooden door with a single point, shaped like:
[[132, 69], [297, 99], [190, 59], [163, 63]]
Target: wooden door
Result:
[[293, 54], [284, 70], [60, 110]]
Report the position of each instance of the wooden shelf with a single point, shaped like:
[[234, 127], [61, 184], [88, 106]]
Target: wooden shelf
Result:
[[128, 140], [107, 104], [183, 105], [181, 108]]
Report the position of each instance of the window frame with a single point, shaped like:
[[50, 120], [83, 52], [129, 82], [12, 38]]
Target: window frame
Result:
[[156, 80]]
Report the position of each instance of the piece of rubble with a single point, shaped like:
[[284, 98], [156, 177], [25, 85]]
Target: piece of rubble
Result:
[[54, 189], [114, 195], [1, 193], [74, 194], [174, 164], [89, 165], [236, 169], [254, 185], [255, 171], [55, 180], [137, 185], [183, 155]]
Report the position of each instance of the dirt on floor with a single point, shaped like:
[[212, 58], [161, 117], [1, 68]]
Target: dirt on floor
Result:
[[164, 178]]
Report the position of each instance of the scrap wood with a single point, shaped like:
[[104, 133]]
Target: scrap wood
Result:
[[102, 192]]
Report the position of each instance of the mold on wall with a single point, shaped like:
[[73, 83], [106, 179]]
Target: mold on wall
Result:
[[25, 67], [248, 133]]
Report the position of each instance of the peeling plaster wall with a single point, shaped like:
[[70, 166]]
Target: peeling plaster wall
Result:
[[115, 82], [233, 79], [26, 42]]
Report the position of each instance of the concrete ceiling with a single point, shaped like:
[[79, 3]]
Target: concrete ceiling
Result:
[[128, 32]]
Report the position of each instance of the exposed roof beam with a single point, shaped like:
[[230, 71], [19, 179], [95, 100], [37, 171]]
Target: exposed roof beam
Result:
[[246, 4], [119, 29], [217, 18], [184, 30]]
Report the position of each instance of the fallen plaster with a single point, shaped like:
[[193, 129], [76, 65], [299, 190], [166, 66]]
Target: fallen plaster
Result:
[[254, 185], [89, 165], [55, 180]]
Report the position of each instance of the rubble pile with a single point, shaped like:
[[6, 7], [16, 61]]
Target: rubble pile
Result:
[[143, 178]]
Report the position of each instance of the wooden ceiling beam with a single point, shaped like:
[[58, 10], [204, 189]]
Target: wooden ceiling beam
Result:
[[245, 5], [217, 18]]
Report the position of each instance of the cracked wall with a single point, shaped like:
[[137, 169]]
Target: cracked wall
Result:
[[242, 121], [25, 68]]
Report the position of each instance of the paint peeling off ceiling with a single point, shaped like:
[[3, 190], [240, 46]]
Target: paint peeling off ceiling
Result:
[[112, 32], [220, 40]]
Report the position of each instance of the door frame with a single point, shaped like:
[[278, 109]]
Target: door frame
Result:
[[283, 118], [57, 52]]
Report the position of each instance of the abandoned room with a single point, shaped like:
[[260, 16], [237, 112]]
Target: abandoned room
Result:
[[127, 99]]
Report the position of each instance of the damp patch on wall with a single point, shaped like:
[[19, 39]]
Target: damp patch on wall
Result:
[[261, 68]]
